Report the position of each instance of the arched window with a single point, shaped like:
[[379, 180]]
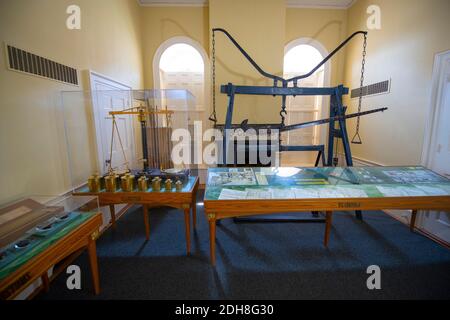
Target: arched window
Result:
[[180, 63], [181, 57], [301, 59], [301, 56]]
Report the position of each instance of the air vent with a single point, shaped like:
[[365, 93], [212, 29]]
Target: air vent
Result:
[[23, 61], [376, 88]]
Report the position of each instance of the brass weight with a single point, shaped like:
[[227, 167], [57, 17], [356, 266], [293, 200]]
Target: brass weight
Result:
[[127, 182], [143, 184], [156, 184], [110, 183], [168, 185], [94, 183], [124, 183], [179, 185], [131, 182]]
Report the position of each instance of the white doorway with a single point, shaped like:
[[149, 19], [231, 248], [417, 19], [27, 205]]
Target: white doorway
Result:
[[301, 56], [109, 95], [436, 152]]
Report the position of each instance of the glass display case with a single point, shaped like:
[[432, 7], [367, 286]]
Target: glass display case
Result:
[[30, 226], [286, 183], [117, 132]]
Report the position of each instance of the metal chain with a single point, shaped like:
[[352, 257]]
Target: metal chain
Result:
[[357, 139], [213, 116], [283, 112]]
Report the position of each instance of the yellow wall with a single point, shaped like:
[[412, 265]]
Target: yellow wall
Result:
[[162, 23], [329, 27], [413, 31], [33, 156], [119, 39], [259, 26]]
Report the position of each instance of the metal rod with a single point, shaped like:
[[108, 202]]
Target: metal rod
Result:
[[294, 79], [144, 143], [328, 120], [246, 55], [277, 78]]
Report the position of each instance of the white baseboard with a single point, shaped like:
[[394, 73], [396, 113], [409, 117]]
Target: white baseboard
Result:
[[360, 161]]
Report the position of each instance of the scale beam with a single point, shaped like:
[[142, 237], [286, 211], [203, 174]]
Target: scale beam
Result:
[[328, 120], [275, 77], [279, 91]]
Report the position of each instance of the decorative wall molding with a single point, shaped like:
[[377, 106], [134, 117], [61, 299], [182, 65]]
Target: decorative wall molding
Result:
[[308, 4], [320, 4], [173, 3]]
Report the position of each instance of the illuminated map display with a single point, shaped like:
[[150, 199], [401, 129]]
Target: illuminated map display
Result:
[[327, 182]]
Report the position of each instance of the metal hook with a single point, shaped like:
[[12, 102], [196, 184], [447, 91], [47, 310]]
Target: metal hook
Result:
[[357, 139]]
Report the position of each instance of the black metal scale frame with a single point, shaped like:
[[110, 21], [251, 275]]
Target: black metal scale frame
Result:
[[337, 110]]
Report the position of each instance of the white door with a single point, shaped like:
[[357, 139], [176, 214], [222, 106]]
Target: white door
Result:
[[438, 223], [109, 95]]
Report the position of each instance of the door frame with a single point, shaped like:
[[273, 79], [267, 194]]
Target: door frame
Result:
[[95, 112], [429, 142]]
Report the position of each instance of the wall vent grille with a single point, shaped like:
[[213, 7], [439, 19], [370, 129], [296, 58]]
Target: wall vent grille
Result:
[[376, 88], [23, 61]]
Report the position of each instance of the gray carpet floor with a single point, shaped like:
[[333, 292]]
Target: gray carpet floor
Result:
[[262, 261]]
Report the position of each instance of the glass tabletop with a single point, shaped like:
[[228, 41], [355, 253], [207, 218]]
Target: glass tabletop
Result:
[[324, 182]]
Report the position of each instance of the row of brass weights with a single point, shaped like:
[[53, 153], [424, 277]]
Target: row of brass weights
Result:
[[126, 183]]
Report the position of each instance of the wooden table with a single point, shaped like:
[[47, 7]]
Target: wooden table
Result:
[[348, 189], [184, 199], [82, 237]]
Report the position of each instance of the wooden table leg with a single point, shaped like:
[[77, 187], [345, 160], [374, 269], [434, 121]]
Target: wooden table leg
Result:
[[327, 227], [413, 220], [194, 214], [194, 207], [212, 238], [92, 251], [146, 221], [112, 211], [45, 282], [187, 225]]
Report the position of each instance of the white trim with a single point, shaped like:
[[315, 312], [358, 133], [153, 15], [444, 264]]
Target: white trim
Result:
[[326, 76], [100, 75], [196, 45], [291, 4], [361, 161], [174, 3], [433, 114]]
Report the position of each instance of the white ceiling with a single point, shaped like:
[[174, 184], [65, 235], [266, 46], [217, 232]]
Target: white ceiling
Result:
[[337, 4]]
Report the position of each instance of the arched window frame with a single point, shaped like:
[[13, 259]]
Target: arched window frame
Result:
[[196, 45], [327, 75]]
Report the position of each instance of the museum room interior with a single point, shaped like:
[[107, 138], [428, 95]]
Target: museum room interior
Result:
[[224, 149]]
